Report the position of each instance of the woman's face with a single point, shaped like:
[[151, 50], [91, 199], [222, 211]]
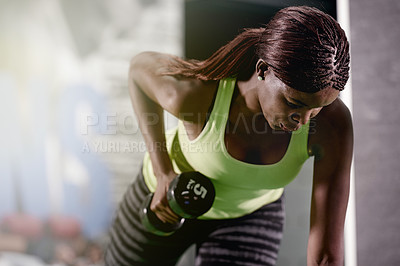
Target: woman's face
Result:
[[287, 109]]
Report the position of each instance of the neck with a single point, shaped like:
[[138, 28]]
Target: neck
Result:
[[247, 94]]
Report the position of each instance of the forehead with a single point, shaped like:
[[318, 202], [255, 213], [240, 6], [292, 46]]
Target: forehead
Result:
[[318, 99]]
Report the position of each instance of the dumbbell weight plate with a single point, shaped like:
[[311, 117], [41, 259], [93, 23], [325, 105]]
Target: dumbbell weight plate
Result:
[[191, 194]]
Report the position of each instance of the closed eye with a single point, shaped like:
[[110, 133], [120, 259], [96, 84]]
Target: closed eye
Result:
[[293, 105]]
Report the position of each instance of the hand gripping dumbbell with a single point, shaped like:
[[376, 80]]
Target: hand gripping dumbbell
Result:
[[189, 195]]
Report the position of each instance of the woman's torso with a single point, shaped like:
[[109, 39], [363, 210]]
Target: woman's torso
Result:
[[230, 150]]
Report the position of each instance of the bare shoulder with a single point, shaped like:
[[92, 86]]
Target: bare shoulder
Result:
[[331, 129], [149, 59], [336, 115], [178, 95]]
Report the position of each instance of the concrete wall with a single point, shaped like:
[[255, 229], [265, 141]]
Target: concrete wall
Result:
[[375, 35]]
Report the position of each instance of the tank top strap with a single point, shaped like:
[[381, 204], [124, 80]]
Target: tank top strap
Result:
[[220, 111]]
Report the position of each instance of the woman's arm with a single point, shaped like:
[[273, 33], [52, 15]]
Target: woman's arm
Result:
[[332, 145], [152, 93]]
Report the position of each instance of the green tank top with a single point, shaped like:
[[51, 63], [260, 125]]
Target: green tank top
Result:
[[241, 187]]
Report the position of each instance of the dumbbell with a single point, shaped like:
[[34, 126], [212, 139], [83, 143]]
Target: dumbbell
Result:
[[189, 195]]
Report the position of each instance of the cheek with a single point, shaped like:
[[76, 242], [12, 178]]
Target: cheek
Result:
[[282, 110], [274, 108]]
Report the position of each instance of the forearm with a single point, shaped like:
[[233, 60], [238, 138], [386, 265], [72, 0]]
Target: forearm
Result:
[[151, 122]]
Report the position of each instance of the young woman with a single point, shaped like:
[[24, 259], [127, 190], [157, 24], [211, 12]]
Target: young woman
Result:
[[249, 117]]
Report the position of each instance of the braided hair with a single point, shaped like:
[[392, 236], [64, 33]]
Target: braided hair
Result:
[[305, 47]]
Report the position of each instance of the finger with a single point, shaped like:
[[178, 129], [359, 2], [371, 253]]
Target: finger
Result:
[[171, 213], [171, 217], [165, 218], [165, 214]]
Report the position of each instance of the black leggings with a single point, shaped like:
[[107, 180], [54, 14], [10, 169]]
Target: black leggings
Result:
[[253, 239]]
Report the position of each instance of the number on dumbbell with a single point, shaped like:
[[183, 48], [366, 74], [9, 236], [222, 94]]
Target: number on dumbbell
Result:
[[200, 190]]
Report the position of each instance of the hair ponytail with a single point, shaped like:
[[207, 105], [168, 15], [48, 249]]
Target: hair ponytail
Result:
[[234, 58]]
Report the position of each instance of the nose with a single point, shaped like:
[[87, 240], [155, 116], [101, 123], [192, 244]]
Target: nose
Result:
[[302, 117]]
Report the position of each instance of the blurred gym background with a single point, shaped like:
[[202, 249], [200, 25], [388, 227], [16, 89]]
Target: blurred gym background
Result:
[[70, 144]]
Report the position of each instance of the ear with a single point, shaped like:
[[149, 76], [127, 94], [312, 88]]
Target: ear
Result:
[[261, 68]]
